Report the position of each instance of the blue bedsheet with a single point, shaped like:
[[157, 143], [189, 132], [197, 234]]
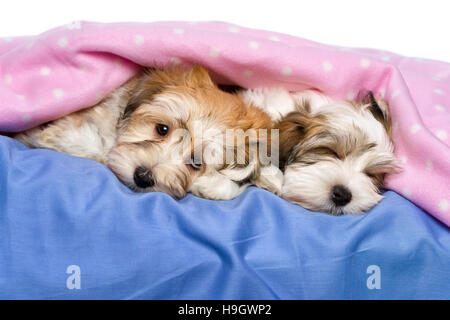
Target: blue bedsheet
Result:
[[67, 222]]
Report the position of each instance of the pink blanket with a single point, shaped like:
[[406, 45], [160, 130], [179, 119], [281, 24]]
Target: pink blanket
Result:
[[74, 66]]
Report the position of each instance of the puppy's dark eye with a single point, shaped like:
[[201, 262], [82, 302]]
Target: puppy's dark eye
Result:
[[162, 129], [333, 153], [329, 152], [196, 164]]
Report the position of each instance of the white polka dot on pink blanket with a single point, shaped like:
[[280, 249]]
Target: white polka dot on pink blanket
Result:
[[253, 45], [439, 91], [274, 39], [178, 31], [63, 42], [248, 73], [138, 40], [429, 165], [406, 192], [395, 94], [83, 69], [7, 78], [58, 93], [214, 52], [29, 45], [415, 128], [74, 25], [439, 108], [27, 118], [286, 70], [175, 61], [45, 71], [327, 66], [234, 29], [441, 134], [444, 205], [365, 63], [351, 95], [395, 127]]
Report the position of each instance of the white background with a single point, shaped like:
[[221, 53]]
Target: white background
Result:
[[412, 28]]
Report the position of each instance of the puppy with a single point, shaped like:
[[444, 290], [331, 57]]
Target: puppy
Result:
[[166, 130], [334, 154]]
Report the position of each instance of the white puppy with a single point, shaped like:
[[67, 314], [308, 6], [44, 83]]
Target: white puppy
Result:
[[334, 154]]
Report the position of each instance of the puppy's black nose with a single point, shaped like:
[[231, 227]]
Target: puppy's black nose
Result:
[[143, 177], [340, 195]]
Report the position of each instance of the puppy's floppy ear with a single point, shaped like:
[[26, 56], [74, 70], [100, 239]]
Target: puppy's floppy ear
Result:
[[132, 105], [378, 107], [198, 76], [153, 81], [292, 129], [144, 90]]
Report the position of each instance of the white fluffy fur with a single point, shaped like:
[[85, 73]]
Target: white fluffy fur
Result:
[[311, 185]]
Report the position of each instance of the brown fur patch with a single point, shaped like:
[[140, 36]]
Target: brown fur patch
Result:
[[378, 107], [293, 129], [128, 119], [199, 99]]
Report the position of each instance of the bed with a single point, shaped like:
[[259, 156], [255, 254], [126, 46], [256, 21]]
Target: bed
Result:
[[70, 230]]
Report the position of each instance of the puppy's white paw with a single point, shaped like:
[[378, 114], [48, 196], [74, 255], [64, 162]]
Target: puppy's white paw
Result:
[[270, 179], [216, 186]]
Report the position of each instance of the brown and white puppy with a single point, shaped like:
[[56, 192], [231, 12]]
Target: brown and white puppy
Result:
[[166, 130], [334, 154]]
